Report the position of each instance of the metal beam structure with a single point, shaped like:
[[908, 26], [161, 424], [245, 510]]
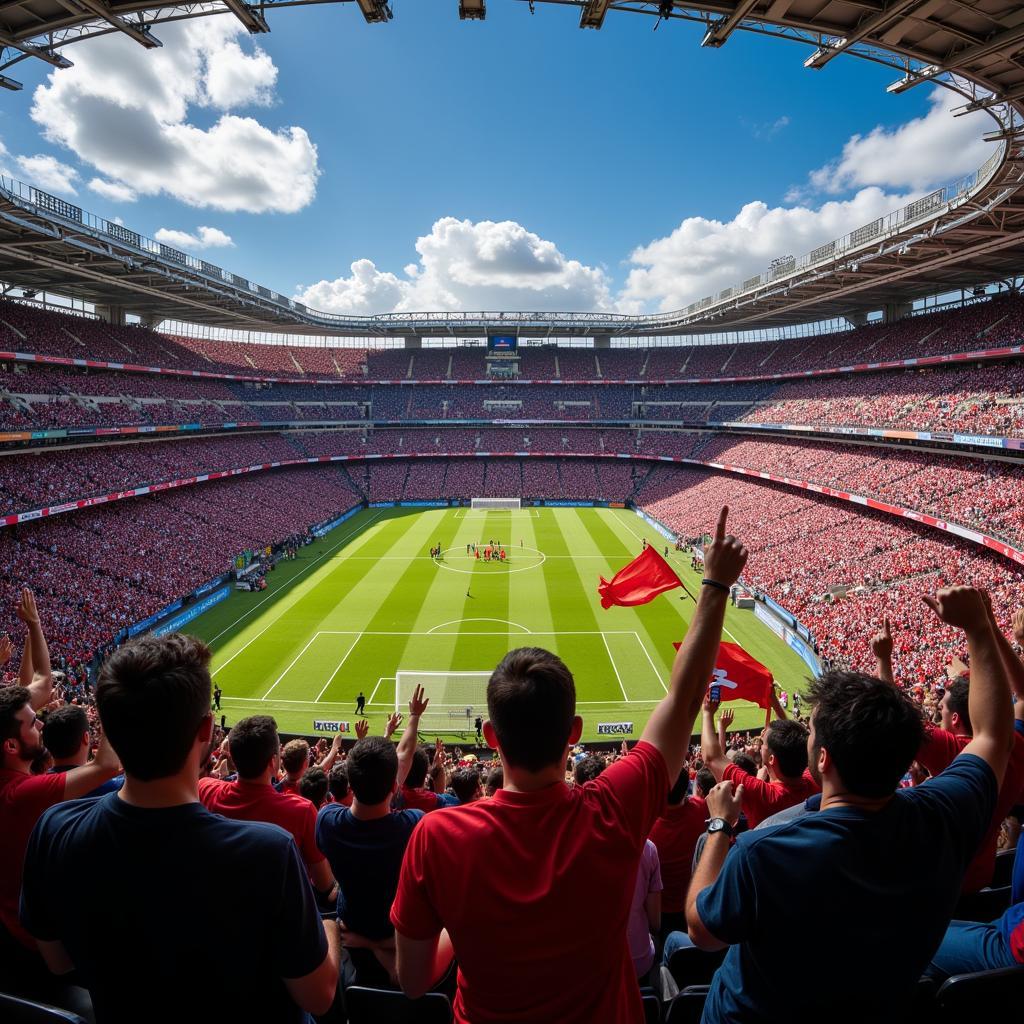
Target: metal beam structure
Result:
[[720, 31]]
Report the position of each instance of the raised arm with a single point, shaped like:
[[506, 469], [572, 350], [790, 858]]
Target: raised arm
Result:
[[988, 697], [332, 755], [407, 746], [881, 648], [712, 743], [41, 683], [671, 723], [79, 782]]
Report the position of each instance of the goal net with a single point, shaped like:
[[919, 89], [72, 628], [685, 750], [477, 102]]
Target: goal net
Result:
[[457, 699], [496, 504]]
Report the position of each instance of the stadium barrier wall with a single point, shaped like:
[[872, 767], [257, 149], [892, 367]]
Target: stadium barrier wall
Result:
[[1004, 352], [957, 529], [222, 594], [325, 528]]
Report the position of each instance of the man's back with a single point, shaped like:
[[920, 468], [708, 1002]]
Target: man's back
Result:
[[675, 834], [148, 937], [365, 858], [860, 899], [535, 890]]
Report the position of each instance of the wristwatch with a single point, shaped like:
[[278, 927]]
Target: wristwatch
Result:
[[720, 825]]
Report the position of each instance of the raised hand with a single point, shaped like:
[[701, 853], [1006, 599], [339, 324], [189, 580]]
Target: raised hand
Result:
[[881, 642], [725, 802], [394, 721], [362, 728], [725, 558], [726, 717], [417, 703], [710, 706], [1018, 625], [27, 610], [962, 607], [5, 650]]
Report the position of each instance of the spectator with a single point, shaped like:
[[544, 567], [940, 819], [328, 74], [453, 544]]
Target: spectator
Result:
[[465, 785], [337, 782], [294, 761], [877, 869], [413, 793], [66, 736], [313, 786], [256, 752], [271, 955], [588, 768], [783, 762], [364, 843], [495, 781], [675, 835], [539, 854]]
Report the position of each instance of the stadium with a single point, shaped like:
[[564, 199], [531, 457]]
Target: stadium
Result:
[[696, 618]]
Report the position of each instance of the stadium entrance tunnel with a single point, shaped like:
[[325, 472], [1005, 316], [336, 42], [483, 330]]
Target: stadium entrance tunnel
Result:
[[517, 559]]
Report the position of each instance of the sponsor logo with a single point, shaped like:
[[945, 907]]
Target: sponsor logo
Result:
[[615, 729], [333, 727]]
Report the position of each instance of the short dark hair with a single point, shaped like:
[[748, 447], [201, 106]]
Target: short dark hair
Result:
[[787, 740], [372, 769], [152, 696], [705, 780], [465, 782], [871, 730], [531, 702], [63, 731], [313, 785], [337, 782], [252, 742], [295, 756], [957, 701], [495, 780], [588, 768], [12, 700], [744, 761], [418, 768]]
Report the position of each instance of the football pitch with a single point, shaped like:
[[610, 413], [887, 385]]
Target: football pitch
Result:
[[367, 604]]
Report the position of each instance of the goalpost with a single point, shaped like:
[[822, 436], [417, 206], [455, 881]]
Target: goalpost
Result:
[[496, 504], [457, 699]]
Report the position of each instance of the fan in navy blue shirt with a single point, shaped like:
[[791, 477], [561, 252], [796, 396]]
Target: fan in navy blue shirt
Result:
[[145, 934], [859, 894], [66, 737]]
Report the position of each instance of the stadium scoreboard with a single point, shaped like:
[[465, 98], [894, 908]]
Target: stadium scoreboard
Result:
[[502, 343]]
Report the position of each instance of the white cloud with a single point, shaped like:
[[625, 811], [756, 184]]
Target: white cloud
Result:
[[923, 153], [701, 256], [48, 173], [115, 191], [204, 238], [468, 265], [117, 90]]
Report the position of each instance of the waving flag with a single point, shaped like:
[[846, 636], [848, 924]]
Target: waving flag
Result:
[[647, 576], [740, 676]]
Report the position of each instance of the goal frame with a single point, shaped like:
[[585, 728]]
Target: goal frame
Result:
[[496, 504]]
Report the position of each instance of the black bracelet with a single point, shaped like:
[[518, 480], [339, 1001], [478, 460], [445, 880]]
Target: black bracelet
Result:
[[714, 583]]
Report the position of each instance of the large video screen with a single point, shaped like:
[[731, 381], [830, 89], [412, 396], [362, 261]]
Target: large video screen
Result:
[[502, 342]]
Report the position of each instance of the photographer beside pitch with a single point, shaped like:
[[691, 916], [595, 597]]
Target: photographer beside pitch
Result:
[[531, 890]]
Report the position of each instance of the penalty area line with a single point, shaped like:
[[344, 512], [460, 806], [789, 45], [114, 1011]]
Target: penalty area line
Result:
[[338, 669]]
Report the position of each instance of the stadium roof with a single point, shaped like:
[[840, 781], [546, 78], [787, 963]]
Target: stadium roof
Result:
[[969, 234]]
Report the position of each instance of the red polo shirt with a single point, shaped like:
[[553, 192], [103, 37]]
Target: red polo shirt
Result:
[[535, 890], [938, 751], [23, 798], [259, 801], [675, 834], [763, 799], [420, 799]]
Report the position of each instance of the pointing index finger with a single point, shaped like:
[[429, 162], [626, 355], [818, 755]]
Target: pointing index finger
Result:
[[720, 525]]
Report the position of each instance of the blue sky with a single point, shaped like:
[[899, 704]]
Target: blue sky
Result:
[[617, 163]]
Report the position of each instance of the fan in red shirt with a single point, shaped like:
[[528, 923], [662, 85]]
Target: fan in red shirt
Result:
[[256, 751], [294, 761], [943, 744], [531, 889], [783, 760], [675, 834]]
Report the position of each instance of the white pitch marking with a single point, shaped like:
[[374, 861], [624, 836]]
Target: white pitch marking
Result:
[[643, 647], [455, 622], [289, 668], [615, 668], [377, 687], [338, 669], [534, 632], [283, 610]]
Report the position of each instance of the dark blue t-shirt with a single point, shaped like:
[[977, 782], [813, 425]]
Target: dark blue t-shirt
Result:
[[856, 902], [366, 858], [110, 786], [173, 914]]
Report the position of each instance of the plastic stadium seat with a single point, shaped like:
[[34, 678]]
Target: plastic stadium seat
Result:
[[688, 1006], [1004, 868], [23, 1011], [692, 966], [985, 905], [382, 1006], [652, 1008], [981, 996]]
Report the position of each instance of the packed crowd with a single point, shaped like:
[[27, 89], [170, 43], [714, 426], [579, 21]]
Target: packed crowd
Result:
[[391, 861]]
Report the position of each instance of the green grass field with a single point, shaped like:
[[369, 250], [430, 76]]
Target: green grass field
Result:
[[367, 602]]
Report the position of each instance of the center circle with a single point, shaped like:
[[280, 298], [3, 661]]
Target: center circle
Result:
[[506, 568]]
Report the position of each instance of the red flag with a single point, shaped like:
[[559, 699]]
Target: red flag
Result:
[[740, 676], [647, 576]]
